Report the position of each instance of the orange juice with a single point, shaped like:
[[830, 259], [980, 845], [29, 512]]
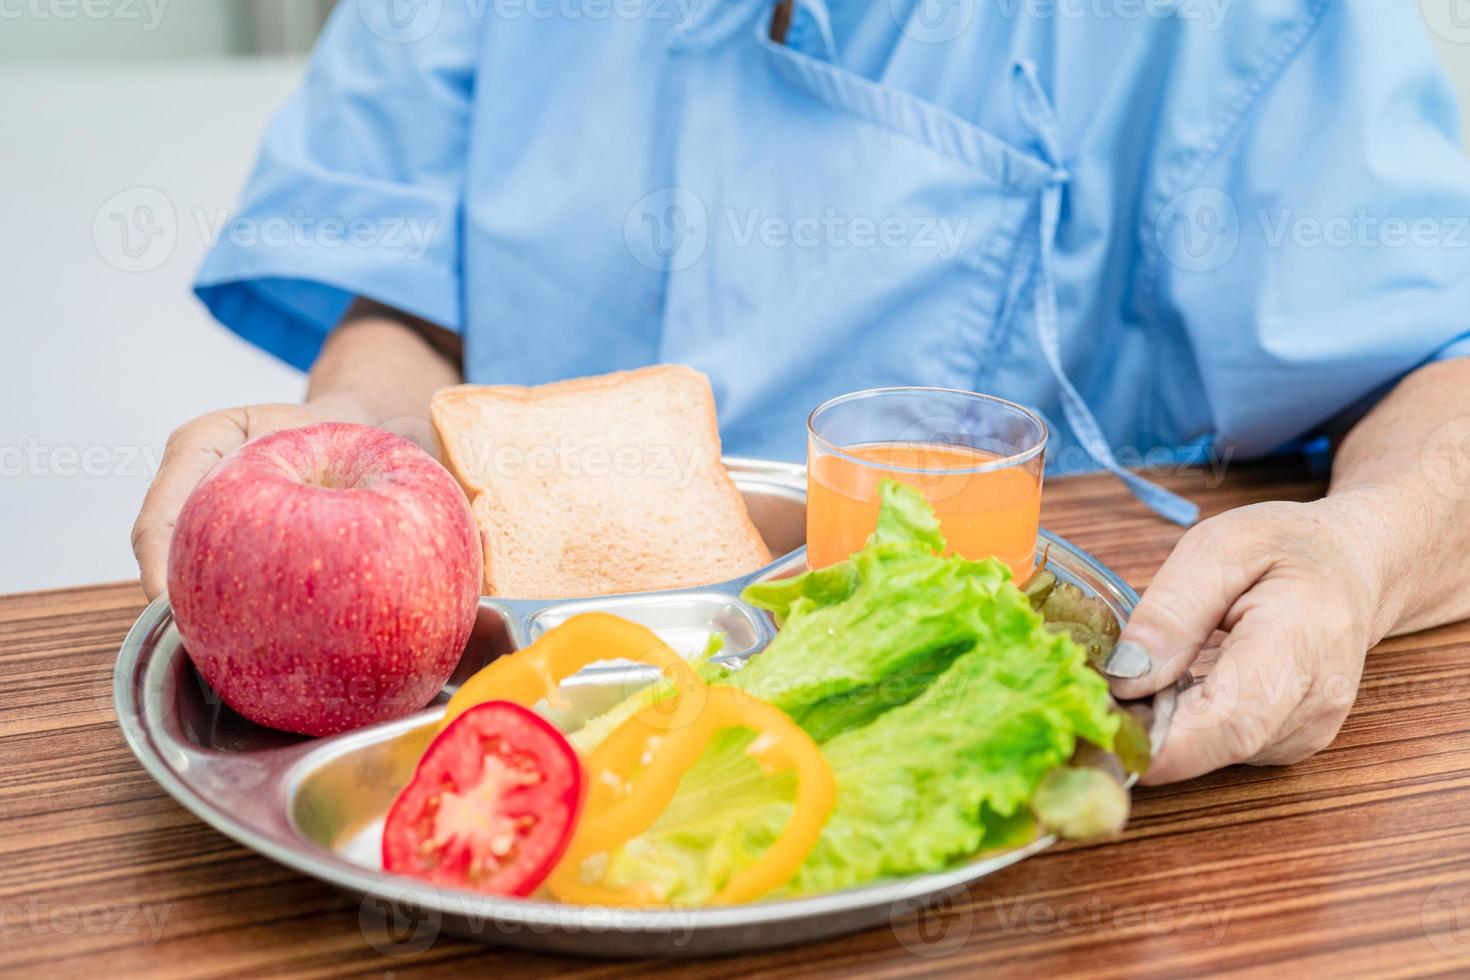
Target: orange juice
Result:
[[981, 514]]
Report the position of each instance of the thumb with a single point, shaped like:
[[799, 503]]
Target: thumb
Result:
[[191, 452], [1208, 570]]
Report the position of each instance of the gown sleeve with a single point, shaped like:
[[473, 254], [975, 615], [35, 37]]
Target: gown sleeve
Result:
[[1323, 250], [357, 187]]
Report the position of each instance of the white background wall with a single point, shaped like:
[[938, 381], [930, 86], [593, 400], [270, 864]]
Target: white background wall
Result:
[[100, 363]]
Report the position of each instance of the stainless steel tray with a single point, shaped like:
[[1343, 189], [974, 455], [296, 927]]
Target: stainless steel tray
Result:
[[316, 805]]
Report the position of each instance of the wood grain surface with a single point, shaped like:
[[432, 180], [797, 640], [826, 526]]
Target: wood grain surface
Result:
[[1353, 863]]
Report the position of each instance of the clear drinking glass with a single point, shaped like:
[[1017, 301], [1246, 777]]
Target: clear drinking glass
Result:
[[977, 459]]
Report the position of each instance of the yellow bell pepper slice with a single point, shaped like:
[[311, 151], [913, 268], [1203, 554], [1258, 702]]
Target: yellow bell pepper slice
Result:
[[533, 673], [619, 808]]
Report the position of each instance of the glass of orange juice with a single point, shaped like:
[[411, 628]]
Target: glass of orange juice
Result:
[[977, 459]]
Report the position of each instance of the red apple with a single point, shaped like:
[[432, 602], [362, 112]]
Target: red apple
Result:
[[326, 577]]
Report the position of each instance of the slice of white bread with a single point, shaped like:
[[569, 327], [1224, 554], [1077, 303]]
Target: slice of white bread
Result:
[[598, 485]]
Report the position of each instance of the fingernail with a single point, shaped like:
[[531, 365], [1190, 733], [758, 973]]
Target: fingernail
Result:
[[1128, 661]]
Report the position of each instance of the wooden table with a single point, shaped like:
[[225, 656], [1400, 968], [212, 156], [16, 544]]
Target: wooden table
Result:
[[1356, 862]]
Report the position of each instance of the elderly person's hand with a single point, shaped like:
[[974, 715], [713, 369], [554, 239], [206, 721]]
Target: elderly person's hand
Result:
[[379, 367], [192, 451], [1303, 590]]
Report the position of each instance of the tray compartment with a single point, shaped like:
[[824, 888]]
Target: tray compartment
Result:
[[339, 794], [494, 634], [775, 498], [684, 621]]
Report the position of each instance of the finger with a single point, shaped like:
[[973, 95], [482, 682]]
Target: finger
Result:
[[1312, 730], [191, 452], [1213, 564], [1318, 717], [1240, 710]]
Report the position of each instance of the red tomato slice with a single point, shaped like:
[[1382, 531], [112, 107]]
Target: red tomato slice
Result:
[[492, 805]]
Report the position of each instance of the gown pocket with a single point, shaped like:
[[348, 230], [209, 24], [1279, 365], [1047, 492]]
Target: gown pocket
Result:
[[871, 238]]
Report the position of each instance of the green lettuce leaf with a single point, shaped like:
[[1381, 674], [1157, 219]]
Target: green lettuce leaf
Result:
[[1079, 801], [937, 694], [905, 517], [871, 633]]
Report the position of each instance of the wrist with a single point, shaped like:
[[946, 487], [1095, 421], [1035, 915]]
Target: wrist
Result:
[[343, 406], [1388, 531]]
